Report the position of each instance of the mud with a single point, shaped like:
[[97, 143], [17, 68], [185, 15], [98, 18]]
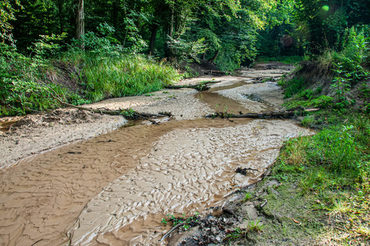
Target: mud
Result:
[[186, 178], [25, 136], [41, 197], [181, 103]]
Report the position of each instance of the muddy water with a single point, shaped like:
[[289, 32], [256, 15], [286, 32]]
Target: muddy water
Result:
[[220, 103]]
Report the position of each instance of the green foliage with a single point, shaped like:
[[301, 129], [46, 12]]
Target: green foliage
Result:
[[292, 86], [247, 196], [28, 96], [339, 150], [331, 171], [238, 233], [21, 91], [235, 234], [187, 221], [117, 76], [47, 46], [7, 9], [187, 51], [336, 150], [255, 226]]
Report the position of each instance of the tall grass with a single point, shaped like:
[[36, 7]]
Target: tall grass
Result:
[[106, 76]]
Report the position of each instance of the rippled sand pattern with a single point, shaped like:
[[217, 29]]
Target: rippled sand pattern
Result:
[[185, 167], [41, 197]]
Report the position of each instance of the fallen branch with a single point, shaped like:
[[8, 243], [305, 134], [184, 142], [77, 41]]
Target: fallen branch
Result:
[[170, 231], [269, 115], [127, 113], [214, 72], [199, 87]]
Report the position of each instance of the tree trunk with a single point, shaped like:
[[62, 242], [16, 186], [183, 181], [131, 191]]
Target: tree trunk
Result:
[[213, 59], [60, 15], [80, 20], [153, 36], [172, 22], [115, 9]]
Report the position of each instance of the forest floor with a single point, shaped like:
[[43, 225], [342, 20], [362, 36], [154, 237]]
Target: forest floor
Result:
[[125, 186]]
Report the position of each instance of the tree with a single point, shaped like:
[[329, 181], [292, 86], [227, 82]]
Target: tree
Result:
[[80, 19], [6, 16]]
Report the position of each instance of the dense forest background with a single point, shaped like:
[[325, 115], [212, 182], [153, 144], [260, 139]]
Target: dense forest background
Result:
[[83, 49]]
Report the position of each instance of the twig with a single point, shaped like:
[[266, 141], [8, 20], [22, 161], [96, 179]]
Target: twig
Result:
[[172, 230], [270, 115]]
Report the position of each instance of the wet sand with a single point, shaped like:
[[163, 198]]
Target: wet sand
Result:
[[112, 189]]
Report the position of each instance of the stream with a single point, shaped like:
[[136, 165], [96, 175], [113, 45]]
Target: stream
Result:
[[115, 189]]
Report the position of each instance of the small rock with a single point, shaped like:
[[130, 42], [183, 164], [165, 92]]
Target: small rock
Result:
[[249, 211], [272, 183], [219, 239]]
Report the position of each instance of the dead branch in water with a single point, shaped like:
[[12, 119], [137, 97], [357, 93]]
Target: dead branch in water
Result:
[[127, 113], [199, 87], [269, 115]]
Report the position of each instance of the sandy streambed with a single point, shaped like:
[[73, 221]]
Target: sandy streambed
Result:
[[114, 188], [41, 197], [129, 174], [185, 171], [21, 137]]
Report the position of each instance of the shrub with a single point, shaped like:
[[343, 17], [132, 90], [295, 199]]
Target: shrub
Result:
[[293, 86], [336, 150]]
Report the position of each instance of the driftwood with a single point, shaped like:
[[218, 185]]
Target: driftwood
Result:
[[214, 72], [269, 115], [172, 230], [127, 113], [199, 87]]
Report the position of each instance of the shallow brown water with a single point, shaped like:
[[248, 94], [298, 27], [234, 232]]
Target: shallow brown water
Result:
[[41, 197], [220, 103]]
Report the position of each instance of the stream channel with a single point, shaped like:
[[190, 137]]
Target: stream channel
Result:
[[115, 189]]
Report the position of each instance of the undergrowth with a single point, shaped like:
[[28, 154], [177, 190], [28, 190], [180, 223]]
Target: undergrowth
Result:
[[331, 169], [101, 70], [104, 76], [333, 165]]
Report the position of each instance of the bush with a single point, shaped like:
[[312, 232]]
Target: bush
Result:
[[336, 150], [293, 86], [27, 96]]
